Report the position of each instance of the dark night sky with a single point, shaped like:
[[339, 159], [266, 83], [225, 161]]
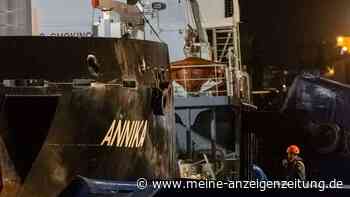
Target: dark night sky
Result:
[[287, 30]]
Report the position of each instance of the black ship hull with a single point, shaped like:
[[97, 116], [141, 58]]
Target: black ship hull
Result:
[[109, 117]]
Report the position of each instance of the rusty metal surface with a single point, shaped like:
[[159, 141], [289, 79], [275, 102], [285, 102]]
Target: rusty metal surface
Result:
[[64, 58], [61, 136]]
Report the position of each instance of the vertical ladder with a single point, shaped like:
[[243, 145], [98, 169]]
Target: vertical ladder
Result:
[[221, 40]]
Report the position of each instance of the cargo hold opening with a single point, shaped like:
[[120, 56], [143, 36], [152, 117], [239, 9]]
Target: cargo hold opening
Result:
[[27, 120]]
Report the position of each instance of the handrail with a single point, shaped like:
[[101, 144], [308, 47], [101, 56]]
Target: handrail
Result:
[[199, 66]]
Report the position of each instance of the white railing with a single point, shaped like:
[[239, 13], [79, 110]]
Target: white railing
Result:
[[216, 80], [212, 82]]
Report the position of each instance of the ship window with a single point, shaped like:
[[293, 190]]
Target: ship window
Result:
[[228, 8]]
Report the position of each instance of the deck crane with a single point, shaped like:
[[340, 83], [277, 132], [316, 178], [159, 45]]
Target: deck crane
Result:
[[192, 48]]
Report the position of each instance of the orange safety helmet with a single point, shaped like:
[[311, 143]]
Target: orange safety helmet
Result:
[[293, 149]]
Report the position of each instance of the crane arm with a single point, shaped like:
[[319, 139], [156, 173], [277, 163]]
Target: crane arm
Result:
[[203, 38]]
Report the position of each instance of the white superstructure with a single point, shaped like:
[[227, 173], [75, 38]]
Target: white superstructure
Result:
[[84, 18], [62, 17], [171, 25]]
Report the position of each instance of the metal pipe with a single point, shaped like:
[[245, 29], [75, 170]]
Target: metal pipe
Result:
[[213, 133]]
